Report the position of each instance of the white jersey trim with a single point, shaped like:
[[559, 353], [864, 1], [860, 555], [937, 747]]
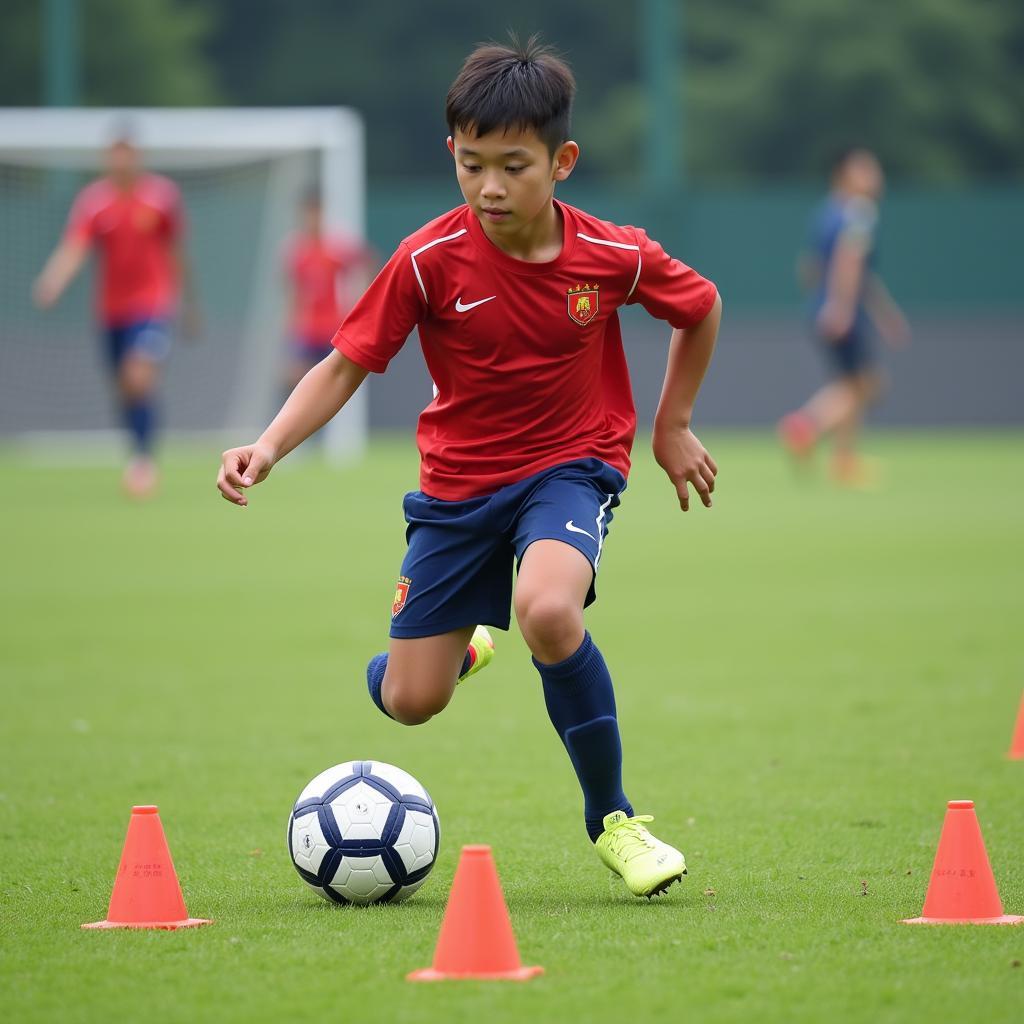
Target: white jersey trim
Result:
[[618, 245], [600, 530], [424, 248], [636, 280], [605, 241]]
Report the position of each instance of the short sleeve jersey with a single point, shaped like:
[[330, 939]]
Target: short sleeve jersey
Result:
[[134, 233], [839, 219], [317, 268], [527, 358]]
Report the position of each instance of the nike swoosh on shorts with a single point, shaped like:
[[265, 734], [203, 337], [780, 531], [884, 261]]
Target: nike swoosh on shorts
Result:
[[461, 307], [575, 529]]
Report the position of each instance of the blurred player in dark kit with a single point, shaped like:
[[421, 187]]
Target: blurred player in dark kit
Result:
[[848, 303]]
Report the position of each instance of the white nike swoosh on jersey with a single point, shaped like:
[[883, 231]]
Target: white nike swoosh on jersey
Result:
[[461, 307], [575, 529]]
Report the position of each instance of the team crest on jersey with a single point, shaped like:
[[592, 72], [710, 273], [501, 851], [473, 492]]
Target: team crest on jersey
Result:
[[401, 593], [584, 302]]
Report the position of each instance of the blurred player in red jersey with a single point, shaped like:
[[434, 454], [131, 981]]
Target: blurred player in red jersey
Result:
[[323, 271], [134, 220], [526, 445]]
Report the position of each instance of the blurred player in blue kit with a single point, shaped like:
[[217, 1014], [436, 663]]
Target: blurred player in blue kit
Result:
[[848, 302]]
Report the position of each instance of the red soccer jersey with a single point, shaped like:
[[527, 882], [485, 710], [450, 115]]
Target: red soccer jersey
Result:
[[135, 233], [526, 358], [317, 268]]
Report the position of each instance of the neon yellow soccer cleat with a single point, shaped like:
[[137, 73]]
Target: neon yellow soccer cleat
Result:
[[647, 865], [481, 650]]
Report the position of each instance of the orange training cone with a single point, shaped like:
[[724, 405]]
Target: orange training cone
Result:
[[476, 939], [146, 891], [962, 889], [1017, 743]]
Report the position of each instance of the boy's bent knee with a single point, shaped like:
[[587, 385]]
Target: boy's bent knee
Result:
[[137, 378], [409, 716], [551, 624], [413, 705]]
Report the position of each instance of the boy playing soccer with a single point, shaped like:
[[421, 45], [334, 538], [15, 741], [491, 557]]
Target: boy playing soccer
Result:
[[134, 220], [525, 447]]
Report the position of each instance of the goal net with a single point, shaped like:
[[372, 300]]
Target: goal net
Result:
[[241, 174]]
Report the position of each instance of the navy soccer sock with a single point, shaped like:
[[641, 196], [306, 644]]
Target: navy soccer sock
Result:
[[140, 419], [581, 705], [375, 678]]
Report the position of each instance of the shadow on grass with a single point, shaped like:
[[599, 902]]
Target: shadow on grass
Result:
[[433, 906], [665, 903]]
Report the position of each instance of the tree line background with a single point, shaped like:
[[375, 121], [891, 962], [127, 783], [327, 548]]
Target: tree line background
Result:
[[769, 88]]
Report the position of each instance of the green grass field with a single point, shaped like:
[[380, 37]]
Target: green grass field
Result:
[[805, 677]]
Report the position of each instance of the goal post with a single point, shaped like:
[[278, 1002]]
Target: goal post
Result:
[[242, 173]]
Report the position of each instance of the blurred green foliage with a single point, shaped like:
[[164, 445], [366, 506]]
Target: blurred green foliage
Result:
[[133, 53], [770, 88], [936, 86]]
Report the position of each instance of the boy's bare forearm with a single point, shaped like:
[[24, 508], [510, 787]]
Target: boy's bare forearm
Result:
[[844, 281], [885, 313], [319, 396], [62, 266], [877, 297], [689, 355]]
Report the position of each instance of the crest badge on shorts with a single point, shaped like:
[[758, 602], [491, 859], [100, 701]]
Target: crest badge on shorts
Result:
[[401, 594], [584, 302]]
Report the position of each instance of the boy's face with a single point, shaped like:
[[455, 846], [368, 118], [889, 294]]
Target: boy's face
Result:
[[123, 161], [508, 177], [861, 175]]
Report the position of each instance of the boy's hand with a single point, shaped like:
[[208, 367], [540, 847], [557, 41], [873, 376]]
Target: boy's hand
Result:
[[834, 321], [44, 292], [243, 467], [679, 452]]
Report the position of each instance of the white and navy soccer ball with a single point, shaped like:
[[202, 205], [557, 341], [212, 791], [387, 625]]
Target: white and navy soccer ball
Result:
[[364, 832]]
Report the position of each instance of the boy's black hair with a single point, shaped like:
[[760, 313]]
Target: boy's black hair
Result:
[[513, 86]]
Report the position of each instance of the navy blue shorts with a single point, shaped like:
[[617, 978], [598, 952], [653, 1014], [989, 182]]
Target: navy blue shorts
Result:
[[853, 353], [148, 338], [458, 568], [850, 355]]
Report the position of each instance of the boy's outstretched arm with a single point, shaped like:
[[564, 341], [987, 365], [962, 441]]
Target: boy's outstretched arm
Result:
[[318, 397], [676, 448], [62, 266]]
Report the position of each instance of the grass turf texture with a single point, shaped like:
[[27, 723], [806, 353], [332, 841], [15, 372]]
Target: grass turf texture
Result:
[[805, 677]]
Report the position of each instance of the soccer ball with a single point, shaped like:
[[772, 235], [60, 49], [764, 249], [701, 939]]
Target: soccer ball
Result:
[[364, 832]]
